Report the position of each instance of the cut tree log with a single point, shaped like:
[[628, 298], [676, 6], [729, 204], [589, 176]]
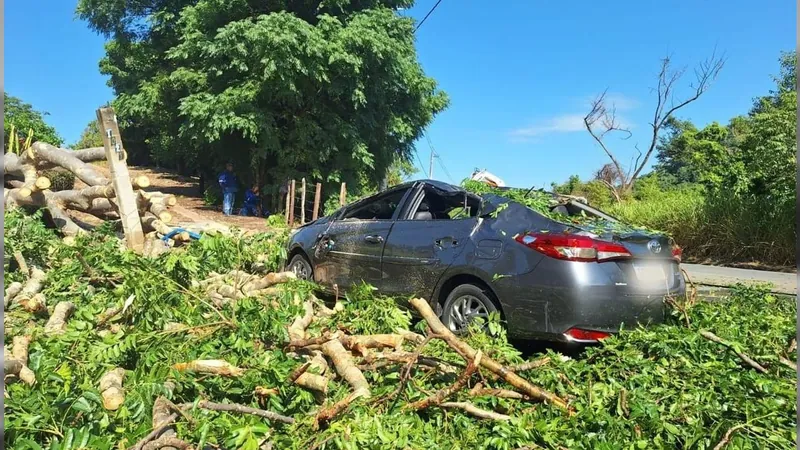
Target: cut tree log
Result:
[[345, 366], [270, 279], [89, 154], [111, 389], [423, 307], [58, 320], [297, 330], [19, 352], [32, 286], [12, 165], [67, 159], [11, 291], [210, 366], [34, 305]]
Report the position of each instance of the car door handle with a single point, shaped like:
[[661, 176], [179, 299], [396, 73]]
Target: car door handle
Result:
[[374, 239], [449, 240]]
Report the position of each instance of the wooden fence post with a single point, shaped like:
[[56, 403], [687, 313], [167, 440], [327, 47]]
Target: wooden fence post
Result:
[[317, 195], [343, 194], [121, 179], [291, 202], [286, 204], [303, 201]]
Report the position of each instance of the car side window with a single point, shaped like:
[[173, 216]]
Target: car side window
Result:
[[451, 207], [381, 207]]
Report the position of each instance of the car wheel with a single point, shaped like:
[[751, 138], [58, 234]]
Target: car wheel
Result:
[[465, 303], [301, 267]]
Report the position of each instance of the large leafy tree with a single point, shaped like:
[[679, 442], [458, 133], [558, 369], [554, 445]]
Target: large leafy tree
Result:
[[327, 90], [26, 120]]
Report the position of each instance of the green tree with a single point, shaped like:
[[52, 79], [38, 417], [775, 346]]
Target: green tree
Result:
[[325, 90], [401, 170], [24, 118], [90, 137]]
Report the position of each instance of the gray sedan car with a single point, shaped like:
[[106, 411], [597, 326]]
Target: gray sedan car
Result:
[[472, 255]]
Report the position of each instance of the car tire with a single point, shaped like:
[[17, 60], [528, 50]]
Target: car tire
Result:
[[301, 267], [463, 303]]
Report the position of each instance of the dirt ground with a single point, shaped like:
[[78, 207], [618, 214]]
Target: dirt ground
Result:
[[190, 207]]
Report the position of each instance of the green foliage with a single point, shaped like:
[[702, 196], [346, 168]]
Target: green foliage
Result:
[[682, 391], [90, 137], [28, 122], [326, 90], [542, 202], [752, 155], [60, 179]]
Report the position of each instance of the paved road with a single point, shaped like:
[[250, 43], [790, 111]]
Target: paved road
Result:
[[782, 283]]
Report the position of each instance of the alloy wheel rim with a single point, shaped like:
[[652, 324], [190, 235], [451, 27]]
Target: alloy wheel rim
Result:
[[300, 270], [464, 310]]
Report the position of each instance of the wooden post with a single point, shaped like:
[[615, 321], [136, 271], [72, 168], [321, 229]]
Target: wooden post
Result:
[[317, 195], [121, 180], [291, 203], [303, 201], [286, 203], [343, 194]]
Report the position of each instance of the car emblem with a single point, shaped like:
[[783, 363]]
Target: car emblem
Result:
[[654, 246]]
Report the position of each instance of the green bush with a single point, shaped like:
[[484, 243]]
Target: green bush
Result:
[[60, 179], [723, 227]]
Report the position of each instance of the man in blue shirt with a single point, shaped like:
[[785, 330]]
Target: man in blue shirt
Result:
[[229, 186], [252, 202]]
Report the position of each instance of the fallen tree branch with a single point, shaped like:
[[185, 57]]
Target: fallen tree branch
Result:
[[58, 321], [297, 330], [32, 286], [210, 366], [345, 366], [12, 291], [66, 159], [475, 411], [442, 394], [326, 414], [408, 357], [166, 424], [241, 409], [167, 443], [726, 438], [746, 359], [424, 309], [23, 265], [268, 280], [19, 351], [530, 365]]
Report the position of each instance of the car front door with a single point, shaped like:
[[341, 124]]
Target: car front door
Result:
[[422, 245], [350, 250]]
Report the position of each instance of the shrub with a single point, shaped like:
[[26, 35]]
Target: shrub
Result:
[[60, 179]]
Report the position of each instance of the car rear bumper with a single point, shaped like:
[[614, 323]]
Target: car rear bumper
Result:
[[549, 311]]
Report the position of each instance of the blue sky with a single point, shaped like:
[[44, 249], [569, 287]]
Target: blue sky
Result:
[[519, 76]]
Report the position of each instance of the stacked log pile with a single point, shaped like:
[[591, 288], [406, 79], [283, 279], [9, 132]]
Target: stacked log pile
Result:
[[25, 186]]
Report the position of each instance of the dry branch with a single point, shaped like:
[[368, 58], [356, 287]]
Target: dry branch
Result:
[[58, 320], [747, 360], [442, 394], [424, 309], [210, 366], [475, 411], [111, 389], [241, 409]]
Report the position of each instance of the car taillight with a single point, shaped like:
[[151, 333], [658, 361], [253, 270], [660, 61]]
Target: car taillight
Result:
[[677, 252], [573, 248], [579, 334]]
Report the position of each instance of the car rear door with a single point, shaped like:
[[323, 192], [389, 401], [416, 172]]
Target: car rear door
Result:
[[350, 250], [419, 250]]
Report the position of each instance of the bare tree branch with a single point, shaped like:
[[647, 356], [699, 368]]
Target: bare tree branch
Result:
[[602, 120]]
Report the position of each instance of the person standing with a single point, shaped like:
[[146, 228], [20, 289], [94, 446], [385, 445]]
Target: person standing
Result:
[[229, 186]]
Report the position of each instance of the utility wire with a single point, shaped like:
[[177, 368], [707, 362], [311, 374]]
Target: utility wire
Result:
[[427, 15], [419, 160], [438, 158]]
